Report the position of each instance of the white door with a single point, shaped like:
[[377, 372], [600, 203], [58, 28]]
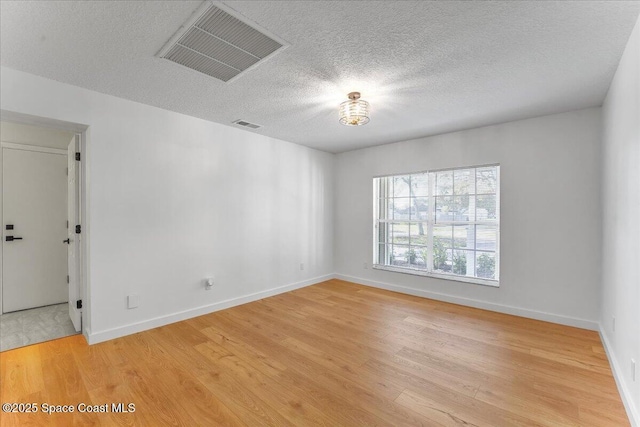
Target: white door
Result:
[[73, 247], [34, 255]]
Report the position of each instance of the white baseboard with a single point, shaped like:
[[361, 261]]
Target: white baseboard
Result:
[[108, 334], [507, 309], [625, 394]]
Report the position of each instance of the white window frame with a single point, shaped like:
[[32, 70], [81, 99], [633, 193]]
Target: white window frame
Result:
[[379, 228]]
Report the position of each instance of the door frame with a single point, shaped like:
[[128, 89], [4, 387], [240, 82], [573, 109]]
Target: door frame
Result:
[[83, 252]]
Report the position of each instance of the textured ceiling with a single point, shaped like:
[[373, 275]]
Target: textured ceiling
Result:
[[425, 67]]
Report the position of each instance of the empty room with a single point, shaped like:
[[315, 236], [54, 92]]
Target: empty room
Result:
[[336, 213]]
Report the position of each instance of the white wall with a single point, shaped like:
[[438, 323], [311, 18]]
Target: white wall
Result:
[[19, 133], [550, 214], [621, 227], [174, 199]]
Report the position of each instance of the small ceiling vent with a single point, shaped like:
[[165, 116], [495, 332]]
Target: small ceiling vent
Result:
[[220, 43], [247, 124]]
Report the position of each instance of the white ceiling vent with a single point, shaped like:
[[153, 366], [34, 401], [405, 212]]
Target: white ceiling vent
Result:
[[247, 124], [220, 43]]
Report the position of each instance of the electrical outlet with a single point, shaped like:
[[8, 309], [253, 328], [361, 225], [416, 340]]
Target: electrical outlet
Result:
[[208, 283], [133, 301], [633, 370], [301, 266], [365, 266]]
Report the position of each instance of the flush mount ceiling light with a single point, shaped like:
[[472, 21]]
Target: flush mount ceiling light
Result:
[[355, 111]]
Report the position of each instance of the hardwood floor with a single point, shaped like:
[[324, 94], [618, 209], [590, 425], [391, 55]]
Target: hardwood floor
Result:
[[332, 354]]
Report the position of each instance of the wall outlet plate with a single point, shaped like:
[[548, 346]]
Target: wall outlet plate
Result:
[[133, 301]]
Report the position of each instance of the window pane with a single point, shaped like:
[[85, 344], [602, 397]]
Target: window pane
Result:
[[420, 209], [464, 236], [400, 233], [414, 256], [419, 185], [418, 234], [486, 236], [443, 234], [463, 208], [485, 208], [459, 264], [401, 208], [444, 183], [399, 255], [419, 259], [463, 182], [442, 260], [485, 265], [401, 186], [445, 208], [487, 180], [442, 242]]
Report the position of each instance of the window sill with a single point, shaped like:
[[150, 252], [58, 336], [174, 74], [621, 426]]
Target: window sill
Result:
[[417, 272]]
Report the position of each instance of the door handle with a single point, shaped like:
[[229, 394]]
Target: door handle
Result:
[[11, 238], [67, 241]]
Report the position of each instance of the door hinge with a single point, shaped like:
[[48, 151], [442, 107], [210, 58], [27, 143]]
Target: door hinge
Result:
[[77, 155], [67, 278], [78, 229], [67, 223], [79, 304]]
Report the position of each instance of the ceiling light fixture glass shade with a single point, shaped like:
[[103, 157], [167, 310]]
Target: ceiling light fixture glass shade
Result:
[[355, 111]]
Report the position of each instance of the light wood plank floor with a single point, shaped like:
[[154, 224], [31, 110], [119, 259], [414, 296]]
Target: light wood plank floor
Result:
[[333, 354]]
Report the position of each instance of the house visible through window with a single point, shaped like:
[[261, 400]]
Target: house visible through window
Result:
[[442, 223]]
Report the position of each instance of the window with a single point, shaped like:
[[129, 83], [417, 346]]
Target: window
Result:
[[444, 223]]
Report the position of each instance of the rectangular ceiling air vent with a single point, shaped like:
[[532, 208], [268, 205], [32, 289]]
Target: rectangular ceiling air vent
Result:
[[220, 43], [247, 124]]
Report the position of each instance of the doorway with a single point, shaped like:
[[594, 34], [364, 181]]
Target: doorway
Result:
[[40, 287]]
